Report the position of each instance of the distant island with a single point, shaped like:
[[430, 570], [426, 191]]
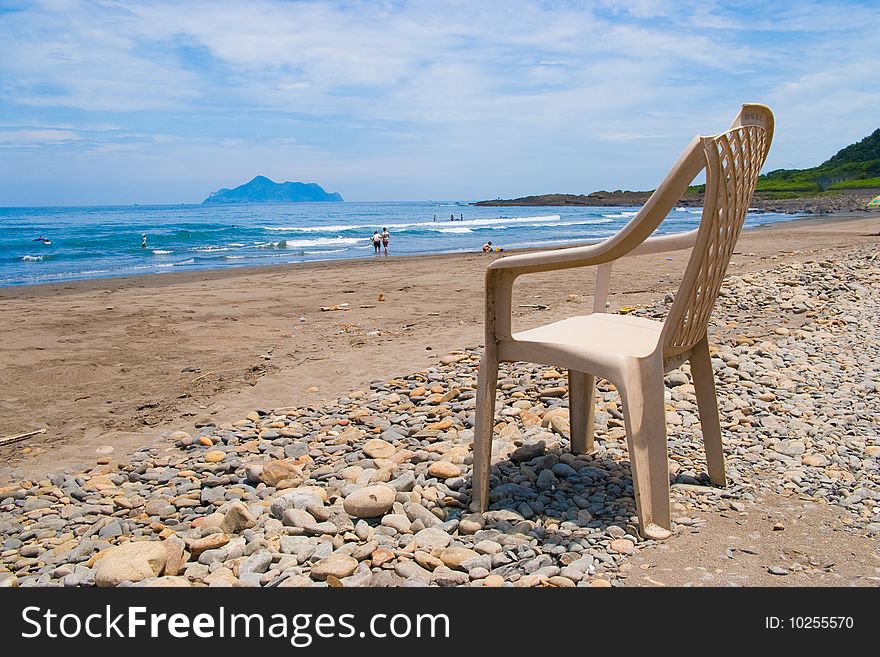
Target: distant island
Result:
[[263, 190], [843, 183]]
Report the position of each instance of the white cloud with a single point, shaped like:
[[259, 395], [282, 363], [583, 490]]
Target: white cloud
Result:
[[511, 93], [36, 137]]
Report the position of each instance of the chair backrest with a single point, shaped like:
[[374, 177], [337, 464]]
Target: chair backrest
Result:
[[733, 163]]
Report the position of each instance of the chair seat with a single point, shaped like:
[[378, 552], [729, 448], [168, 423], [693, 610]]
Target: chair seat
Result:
[[598, 338]]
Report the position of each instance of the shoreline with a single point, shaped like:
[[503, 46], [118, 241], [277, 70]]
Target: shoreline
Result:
[[175, 277]]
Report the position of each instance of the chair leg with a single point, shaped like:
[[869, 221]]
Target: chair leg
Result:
[[484, 424], [581, 407], [707, 403], [645, 418]]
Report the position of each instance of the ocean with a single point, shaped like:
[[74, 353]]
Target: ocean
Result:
[[97, 242]]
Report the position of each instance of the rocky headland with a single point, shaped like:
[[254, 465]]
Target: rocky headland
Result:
[[837, 202]]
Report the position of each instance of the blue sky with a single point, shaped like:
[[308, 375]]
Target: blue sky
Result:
[[164, 102]]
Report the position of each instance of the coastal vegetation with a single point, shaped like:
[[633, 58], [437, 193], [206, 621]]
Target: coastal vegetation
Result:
[[855, 167]]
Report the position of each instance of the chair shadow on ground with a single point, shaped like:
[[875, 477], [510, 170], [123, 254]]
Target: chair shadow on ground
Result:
[[595, 484]]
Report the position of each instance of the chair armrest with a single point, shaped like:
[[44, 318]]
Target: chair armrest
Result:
[[593, 253], [501, 274], [664, 243]]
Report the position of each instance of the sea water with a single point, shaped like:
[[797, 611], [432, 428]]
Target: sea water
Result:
[[96, 242]]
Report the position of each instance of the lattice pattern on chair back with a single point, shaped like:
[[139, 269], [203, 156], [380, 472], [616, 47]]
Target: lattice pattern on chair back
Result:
[[733, 162]]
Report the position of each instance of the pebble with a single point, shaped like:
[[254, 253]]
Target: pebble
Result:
[[237, 518], [453, 557], [369, 502], [471, 524], [376, 448], [443, 470], [432, 538], [275, 472], [777, 570], [622, 546], [130, 562], [210, 542], [337, 565]]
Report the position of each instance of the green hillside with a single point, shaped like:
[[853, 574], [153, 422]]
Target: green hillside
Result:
[[855, 167]]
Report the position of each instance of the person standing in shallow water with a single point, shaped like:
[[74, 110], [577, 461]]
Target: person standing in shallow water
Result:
[[386, 237], [377, 242], [144, 241]]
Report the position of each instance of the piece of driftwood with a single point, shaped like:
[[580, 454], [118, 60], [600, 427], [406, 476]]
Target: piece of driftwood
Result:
[[14, 439], [199, 378], [536, 306]]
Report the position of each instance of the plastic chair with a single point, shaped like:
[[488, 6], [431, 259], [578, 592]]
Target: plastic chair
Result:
[[631, 352]]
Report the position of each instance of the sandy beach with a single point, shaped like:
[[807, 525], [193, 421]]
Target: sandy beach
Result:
[[115, 362], [224, 429]]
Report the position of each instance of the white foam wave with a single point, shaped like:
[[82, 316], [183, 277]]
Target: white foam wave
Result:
[[233, 257], [209, 249], [620, 215], [71, 275], [160, 252], [317, 242], [191, 261], [467, 223], [463, 229], [523, 245], [30, 258], [583, 222], [335, 228], [324, 251], [324, 241]]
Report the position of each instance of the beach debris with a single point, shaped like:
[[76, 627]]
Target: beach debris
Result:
[[626, 310], [536, 306], [21, 436], [199, 378], [302, 319], [381, 297], [339, 306]]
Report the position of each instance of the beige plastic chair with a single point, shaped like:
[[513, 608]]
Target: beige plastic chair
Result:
[[631, 352]]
